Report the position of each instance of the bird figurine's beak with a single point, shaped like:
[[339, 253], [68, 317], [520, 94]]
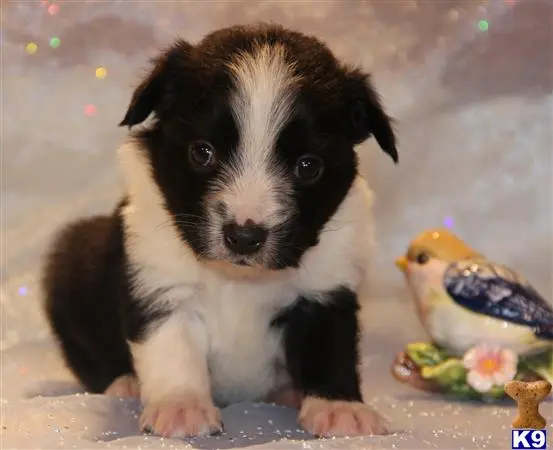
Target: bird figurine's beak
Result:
[[401, 263]]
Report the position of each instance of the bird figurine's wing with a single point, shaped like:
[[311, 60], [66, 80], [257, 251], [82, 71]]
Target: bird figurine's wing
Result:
[[497, 291]]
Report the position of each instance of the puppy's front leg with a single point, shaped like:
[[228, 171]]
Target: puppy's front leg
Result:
[[171, 364], [321, 339]]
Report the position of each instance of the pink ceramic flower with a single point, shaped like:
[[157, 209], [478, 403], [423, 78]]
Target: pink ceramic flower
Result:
[[489, 366]]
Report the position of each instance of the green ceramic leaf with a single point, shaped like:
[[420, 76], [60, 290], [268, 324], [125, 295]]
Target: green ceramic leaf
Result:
[[496, 392], [446, 373], [521, 374], [464, 391], [424, 353], [522, 367], [542, 364]]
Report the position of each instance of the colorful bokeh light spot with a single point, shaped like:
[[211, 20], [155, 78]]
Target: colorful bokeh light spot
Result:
[[483, 25], [90, 110], [55, 42], [101, 73], [448, 222], [31, 48], [53, 8], [23, 290]]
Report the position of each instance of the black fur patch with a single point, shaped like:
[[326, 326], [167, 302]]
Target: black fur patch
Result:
[[321, 345], [314, 204], [84, 286], [183, 188]]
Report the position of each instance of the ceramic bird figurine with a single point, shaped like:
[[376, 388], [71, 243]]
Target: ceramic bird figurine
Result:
[[463, 299]]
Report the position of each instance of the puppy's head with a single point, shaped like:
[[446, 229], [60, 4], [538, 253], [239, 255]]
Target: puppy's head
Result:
[[252, 142]]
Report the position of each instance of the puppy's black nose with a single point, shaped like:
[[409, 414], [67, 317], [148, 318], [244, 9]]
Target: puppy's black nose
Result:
[[244, 239]]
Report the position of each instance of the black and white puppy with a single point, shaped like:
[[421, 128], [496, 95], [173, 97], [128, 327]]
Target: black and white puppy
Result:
[[230, 270]]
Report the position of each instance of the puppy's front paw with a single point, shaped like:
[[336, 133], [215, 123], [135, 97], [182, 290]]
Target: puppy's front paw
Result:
[[187, 418], [339, 418]]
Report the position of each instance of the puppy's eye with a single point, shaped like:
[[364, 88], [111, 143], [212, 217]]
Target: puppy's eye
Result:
[[202, 155], [422, 258], [309, 169]]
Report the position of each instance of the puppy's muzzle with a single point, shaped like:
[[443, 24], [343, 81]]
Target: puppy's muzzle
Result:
[[244, 239]]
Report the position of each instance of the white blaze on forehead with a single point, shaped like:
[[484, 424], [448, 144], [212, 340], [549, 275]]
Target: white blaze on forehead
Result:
[[262, 102]]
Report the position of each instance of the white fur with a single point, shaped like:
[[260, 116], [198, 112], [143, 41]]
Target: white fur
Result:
[[262, 102], [185, 372], [221, 317]]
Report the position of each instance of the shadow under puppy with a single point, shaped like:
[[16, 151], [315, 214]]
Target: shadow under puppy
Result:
[[230, 269]]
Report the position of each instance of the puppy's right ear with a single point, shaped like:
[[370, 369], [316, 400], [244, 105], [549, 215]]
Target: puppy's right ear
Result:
[[155, 93]]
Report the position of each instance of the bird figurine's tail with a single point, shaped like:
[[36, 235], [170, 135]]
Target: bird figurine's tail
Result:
[[544, 332]]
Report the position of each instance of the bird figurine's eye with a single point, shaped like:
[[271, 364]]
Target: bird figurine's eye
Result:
[[422, 258]]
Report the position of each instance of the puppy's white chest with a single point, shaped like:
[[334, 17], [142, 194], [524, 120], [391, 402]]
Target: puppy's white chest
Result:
[[245, 351]]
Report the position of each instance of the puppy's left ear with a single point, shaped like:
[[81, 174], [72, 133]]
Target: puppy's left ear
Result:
[[366, 114]]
